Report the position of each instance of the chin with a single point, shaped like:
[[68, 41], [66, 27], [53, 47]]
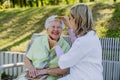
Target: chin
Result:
[[55, 38]]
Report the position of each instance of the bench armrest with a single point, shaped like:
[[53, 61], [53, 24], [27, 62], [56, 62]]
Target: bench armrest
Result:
[[5, 66]]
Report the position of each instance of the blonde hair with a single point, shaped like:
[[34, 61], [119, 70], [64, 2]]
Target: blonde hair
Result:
[[83, 19]]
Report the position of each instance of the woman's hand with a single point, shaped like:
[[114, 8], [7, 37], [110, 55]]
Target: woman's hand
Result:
[[66, 20], [52, 42], [33, 72]]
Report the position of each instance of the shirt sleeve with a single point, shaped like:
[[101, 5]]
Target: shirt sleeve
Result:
[[59, 51], [74, 55], [72, 35]]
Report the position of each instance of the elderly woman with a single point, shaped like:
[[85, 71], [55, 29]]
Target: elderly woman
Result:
[[41, 60]]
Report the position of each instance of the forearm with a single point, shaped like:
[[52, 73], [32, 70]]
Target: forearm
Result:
[[56, 71], [59, 51], [72, 35], [27, 63], [52, 71]]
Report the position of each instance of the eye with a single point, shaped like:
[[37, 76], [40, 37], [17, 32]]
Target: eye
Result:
[[59, 27], [52, 26]]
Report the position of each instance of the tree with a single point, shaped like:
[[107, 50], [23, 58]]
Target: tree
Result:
[[30, 3], [91, 0], [24, 1], [80, 1], [114, 0], [1, 2], [67, 2], [41, 1], [57, 2], [21, 3], [37, 3], [13, 1]]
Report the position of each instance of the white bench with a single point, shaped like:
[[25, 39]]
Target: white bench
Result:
[[12, 63]]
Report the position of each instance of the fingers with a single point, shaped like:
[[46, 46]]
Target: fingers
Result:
[[52, 42], [33, 73], [38, 68]]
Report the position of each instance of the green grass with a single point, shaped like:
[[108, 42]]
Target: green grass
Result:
[[18, 25]]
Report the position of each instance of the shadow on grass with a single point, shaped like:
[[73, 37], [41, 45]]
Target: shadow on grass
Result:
[[112, 26], [97, 7], [7, 16], [114, 23]]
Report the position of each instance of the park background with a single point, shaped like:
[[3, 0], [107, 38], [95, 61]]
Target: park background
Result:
[[19, 19]]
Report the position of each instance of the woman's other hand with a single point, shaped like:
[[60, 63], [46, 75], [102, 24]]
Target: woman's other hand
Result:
[[33, 72], [66, 20], [52, 42]]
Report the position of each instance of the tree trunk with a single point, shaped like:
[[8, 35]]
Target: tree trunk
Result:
[[25, 3], [67, 2], [37, 3], [53, 2], [80, 1], [0, 2], [13, 1], [30, 3], [9, 3], [91, 0], [21, 3], [57, 2], [114, 0], [41, 1]]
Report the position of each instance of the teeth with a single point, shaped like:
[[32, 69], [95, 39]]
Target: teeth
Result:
[[55, 33]]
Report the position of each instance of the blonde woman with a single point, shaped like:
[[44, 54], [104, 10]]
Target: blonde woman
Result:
[[85, 56]]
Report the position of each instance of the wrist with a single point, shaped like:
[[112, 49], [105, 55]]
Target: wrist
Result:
[[30, 68], [69, 26], [47, 71]]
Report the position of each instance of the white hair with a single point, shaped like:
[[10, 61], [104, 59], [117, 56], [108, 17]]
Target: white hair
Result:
[[52, 18]]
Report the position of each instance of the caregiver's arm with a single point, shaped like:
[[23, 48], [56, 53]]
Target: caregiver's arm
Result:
[[53, 71], [57, 71], [66, 20], [58, 51], [72, 35]]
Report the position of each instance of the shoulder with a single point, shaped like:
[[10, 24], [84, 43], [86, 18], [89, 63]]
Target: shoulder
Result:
[[87, 39], [39, 38]]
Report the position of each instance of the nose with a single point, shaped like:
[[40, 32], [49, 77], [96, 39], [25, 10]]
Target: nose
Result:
[[55, 28]]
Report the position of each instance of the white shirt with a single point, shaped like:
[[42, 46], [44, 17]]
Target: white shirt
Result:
[[84, 59]]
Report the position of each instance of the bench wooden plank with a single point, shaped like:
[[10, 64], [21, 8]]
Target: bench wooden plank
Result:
[[11, 61], [6, 62]]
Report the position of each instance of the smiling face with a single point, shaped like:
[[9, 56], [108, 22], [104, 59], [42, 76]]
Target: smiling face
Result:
[[54, 30]]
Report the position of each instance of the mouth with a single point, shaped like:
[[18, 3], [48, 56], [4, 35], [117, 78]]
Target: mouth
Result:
[[55, 33]]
